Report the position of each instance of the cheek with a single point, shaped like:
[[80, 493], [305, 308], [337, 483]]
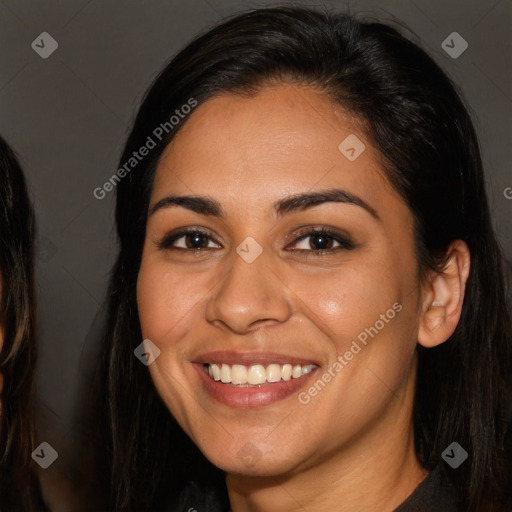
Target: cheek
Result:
[[167, 301], [371, 327], [366, 311], [153, 302], [166, 311], [343, 303]]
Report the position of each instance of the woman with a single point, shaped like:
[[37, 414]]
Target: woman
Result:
[[17, 337], [307, 252]]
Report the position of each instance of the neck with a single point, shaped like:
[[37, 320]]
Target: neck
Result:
[[378, 471]]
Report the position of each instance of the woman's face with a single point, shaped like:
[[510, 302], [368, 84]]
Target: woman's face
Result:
[[336, 330]]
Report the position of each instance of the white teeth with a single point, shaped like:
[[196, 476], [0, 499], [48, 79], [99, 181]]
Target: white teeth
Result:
[[273, 373], [225, 374], [307, 369], [286, 373], [239, 374], [215, 371], [256, 374]]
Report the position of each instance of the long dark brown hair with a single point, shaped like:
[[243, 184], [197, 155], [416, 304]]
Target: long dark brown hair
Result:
[[415, 117], [18, 352]]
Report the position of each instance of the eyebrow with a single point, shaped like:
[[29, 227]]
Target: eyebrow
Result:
[[299, 202]]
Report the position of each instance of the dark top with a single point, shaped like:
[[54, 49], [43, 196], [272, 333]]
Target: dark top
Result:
[[434, 494]]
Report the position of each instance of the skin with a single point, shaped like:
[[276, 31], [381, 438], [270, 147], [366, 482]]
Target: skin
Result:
[[356, 434]]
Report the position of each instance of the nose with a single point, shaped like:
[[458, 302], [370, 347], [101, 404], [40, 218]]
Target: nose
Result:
[[249, 295]]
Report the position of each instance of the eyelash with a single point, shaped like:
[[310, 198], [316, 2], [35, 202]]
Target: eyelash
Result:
[[345, 243]]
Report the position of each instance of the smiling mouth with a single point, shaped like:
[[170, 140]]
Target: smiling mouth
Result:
[[238, 375]]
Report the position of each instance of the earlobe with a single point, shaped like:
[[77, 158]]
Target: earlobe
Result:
[[444, 297], [434, 317]]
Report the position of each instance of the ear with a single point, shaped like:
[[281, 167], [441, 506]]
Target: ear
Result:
[[443, 297]]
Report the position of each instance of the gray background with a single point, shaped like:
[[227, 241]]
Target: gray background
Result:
[[67, 117]]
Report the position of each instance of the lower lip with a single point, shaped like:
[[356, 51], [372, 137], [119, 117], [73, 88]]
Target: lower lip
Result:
[[254, 396]]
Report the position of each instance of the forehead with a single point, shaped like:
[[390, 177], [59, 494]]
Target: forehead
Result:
[[286, 139]]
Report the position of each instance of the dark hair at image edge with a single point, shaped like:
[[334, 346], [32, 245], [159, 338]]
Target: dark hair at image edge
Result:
[[413, 115], [18, 353]]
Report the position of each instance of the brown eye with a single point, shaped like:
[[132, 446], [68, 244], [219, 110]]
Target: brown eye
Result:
[[321, 241], [196, 241], [193, 239]]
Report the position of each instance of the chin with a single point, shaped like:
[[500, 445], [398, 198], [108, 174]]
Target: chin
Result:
[[249, 460]]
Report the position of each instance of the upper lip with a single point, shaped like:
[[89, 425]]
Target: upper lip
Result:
[[250, 358]]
